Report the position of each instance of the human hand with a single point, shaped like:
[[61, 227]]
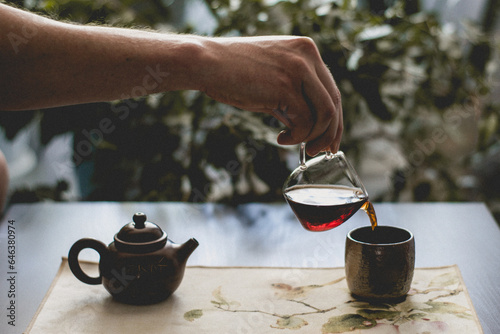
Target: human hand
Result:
[[280, 75]]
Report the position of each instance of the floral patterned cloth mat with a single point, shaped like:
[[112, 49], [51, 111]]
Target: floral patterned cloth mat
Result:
[[260, 300]]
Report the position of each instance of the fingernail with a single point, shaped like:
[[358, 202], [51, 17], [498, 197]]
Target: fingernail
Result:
[[312, 153], [283, 137]]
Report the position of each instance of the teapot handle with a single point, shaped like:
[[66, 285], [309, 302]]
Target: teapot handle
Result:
[[74, 265]]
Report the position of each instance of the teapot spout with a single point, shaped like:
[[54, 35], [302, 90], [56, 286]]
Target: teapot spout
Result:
[[186, 249]]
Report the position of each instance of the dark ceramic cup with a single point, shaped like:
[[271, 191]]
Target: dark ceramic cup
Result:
[[379, 264]]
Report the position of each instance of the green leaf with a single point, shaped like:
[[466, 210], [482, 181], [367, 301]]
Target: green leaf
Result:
[[193, 314], [290, 323], [445, 307], [444, 280], [347, 323]]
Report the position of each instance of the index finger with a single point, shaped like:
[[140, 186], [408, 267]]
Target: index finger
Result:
[[325, 99]]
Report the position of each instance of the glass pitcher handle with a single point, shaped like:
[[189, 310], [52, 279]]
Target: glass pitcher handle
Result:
[[302, 154]]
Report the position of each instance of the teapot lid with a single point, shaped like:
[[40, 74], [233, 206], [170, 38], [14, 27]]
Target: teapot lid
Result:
[[140, 236]]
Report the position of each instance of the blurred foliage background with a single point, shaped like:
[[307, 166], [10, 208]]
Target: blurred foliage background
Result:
[[421, 120]]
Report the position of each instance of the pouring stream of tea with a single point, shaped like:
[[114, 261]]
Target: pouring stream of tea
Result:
[[370, 211]]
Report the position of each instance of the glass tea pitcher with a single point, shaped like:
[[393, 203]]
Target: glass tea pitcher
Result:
[[325, 191]]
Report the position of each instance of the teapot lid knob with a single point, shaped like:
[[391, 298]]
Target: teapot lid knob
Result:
[[140, 236], [139, 219]]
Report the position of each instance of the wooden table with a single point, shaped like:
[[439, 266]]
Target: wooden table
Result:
[[248, 235]]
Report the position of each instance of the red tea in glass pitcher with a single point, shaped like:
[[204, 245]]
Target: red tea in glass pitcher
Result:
[[326, 191]]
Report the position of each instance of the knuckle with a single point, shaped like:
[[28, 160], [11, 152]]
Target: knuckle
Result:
[[308, 48], [306, 44], [305, 53]]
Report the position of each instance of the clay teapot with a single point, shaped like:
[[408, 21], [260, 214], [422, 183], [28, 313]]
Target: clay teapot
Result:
[[141, 265]]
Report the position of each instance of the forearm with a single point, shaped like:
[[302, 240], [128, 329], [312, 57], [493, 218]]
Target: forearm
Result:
[[46, 63]]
